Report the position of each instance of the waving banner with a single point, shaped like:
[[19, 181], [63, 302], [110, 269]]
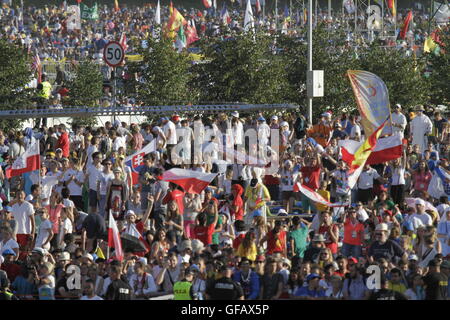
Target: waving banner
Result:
[[372, 98], [314, 196]]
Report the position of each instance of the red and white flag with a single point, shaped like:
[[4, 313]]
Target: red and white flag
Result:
[[29, 161], [207, 3], [314, 196], [386, 149], [134, 232], [114, 238], [136, 160], [123, 42], [190, 181]]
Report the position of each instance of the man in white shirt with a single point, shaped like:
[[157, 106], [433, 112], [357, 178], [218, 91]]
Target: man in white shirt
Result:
[[170, 131], [263, 132], [93, 173], [421, 214], [365, 183], [398, 120], [355, 133], [89, 291], [237, 129], [23, 213], [421, 126]]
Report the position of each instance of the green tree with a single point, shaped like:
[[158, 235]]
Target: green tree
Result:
[[241, 69], [165, 75], [15, 74], [402, 74], [440, 70], [85, 90]]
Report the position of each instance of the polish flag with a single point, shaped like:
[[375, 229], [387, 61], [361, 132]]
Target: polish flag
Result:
[[136, 160], [314, 196], [386, 149], [114, 238], [207, 3], [257, 7], [123, 42], [29, 161], [133, 231], [190, 181]]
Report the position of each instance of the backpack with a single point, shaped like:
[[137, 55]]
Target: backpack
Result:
[[104, 148], [300, 127]]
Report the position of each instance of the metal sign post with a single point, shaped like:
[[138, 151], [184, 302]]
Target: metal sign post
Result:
[[113, 54]]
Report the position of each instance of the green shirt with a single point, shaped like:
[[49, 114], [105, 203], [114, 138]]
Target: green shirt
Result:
[[299, 236], [209, 220]]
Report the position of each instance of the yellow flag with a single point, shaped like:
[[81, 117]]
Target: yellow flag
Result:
[[99, 253], [429, 45]]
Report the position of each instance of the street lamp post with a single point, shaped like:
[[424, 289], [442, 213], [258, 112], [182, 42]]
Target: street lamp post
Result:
[[310, 8]]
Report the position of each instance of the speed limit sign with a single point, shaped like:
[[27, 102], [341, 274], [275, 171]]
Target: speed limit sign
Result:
[[113, 54]]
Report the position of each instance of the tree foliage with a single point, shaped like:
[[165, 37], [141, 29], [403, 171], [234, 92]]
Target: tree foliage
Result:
[[15, 74], [242, 69], [440, 70], [85, 90], [165, 76]]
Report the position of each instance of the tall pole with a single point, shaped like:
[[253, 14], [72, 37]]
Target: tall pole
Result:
[[276, 14], [329, 9], [356, 17], [317, 14], [310, 54], [382, 17]]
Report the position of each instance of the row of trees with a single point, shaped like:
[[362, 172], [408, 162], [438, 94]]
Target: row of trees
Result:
[[248, 69]]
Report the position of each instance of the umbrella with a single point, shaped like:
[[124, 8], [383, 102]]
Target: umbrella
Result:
[[132, 243]]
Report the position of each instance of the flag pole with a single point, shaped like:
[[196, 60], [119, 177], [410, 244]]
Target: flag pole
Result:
[[107, 247]]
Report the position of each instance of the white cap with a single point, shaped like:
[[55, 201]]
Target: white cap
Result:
[[282, 211], [64, 256], [420, 201], [326, 114], [89, 256], [413, 257], [382, 227], [274, 118], [129, 213], [185, 258], [284, 124], [235, 114], [143, 260]]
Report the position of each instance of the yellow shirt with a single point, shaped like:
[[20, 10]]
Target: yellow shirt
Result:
[[250, 254], [397, 287], [253, 194], [326, 195]]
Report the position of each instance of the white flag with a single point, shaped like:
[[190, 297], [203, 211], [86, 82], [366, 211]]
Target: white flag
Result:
[[74, 19], [158, 14], [442, 12], [349, 6], [249, 21]]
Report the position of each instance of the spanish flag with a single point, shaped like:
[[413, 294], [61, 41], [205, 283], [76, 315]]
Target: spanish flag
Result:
[[176, 20], [362, 154], [392, 5]]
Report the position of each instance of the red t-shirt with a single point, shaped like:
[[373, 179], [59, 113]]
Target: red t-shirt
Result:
[[176, 195], [204, 234], [12, 270], [239, 203], [64, 144], [352, 232], [270, 180], [325, 231], [276, 243], [311, 177]]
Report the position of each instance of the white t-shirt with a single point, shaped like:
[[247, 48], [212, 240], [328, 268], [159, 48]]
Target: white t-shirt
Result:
[[119, 142], [94, 176], [424, 218], [173, 136], [238, 133], [287, 180], [355, 133], [90, 150], [398, 176], [366, 179], [75, 189], [43, 234], [22, 213], [104, 179], [10, 244], [93, 298]]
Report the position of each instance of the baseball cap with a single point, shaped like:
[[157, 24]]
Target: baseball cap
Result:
[[382, 227], [253, 183], [58, 150], [7, 208], [64, 256], [208, 190], [185, 258], [420, 201], [282, 212], [89, 256], [352, 260], [284, 124], [235, 114], [312, 276], [274, 117], [326, 114], [413, 257], [164, 119], [130, 213], [398, 106], [38, 251], [261, 119], [8, 252]]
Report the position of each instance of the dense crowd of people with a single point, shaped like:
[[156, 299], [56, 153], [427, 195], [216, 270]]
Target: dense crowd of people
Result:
[[249, 234]]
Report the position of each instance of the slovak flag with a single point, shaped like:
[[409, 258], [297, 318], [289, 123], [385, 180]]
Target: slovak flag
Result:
[[136, 160], [114, 238], [225, 16], [207, 3], [191, 181], [29, 161]]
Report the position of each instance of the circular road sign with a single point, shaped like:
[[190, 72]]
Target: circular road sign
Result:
[[113, 54]]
